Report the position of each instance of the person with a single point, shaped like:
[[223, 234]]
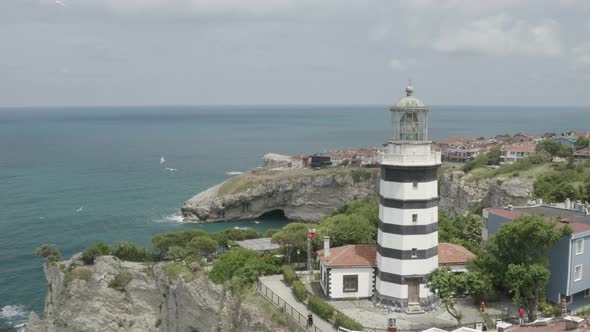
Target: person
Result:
[[482, 306], [309, 320], [484, 326], [521, 315]]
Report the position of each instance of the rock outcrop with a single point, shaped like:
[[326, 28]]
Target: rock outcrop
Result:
[[460, 193], [85, 298], [302, 194]]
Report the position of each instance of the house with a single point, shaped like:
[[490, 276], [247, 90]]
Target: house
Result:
[[316, 161], [567, 140], [520, 138], [582, 153], [348, 272], [567, 258], [517, 151], [463, 152]]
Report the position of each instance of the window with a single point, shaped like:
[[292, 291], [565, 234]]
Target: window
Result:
[[415, 185], [587, 292], [414, 253], [579, 246], [350, 283], [578, 272], [414, 217]]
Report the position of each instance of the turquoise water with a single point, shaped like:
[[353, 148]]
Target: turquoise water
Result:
[[75, 176]]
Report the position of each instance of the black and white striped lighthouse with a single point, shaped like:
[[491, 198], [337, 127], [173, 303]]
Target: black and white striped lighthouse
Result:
[[407, 240]]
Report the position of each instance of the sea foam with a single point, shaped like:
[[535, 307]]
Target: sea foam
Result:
[[14, 314], [234, 173]]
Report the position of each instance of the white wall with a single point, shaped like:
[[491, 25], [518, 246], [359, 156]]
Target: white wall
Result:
[[399, 291], [407, 267], [404, 216], [407, 242], [406, 190], [365, 282]]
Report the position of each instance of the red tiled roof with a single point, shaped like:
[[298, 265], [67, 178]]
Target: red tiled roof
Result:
[[449, 253], [525, 146], [365, 255], [350, 255], [583, 152], [577, 227]]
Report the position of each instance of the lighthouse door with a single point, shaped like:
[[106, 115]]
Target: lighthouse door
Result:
[[413, 291]]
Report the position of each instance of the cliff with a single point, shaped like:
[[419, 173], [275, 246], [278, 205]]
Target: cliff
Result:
[[460, 193], [302, 194], [113, 295]]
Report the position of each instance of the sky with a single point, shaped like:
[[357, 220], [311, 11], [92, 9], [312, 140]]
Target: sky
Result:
[[228, 52]]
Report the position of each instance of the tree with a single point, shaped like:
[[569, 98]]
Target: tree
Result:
[[346, 229], [50, 252], [203, 246], [582, 143], [463, 230], [518, 246], [95, 250], [292, 236], [448, 285], [527, 282], [494, 156], [553, 148]]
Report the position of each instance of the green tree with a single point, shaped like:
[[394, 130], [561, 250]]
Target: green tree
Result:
[[463, 230], [292, 236], [203, 246], [494, 156], [479, 161], [95, 250], [582, 143], [50, 252], [240, 267], [527, 282], [449, 285], [346, 229]]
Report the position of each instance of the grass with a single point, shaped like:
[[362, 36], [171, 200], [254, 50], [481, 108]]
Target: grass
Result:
[[250, 180], [77, 273], [121, 281], [174, 270], [507, 171]]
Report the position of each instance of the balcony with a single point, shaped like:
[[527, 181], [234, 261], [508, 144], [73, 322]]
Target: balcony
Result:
[[433, 158]]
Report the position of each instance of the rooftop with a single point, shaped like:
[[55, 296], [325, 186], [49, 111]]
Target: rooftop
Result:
[[554, 325], [261, 244], [365, 255], [578, 221], [525, 146]]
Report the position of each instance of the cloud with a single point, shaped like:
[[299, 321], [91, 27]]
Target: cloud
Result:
[[401, 65], [502, 35]]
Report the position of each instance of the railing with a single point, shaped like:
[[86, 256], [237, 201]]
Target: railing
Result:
[[409, 159], [298, 317]]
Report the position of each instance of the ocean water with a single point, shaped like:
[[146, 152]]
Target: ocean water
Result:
[[75, 176]]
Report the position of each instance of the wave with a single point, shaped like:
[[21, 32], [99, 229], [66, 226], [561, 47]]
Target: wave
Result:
[[234, 173], [14, 315], [174, 217]]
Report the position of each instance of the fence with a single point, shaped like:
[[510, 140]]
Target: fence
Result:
[[289, 310]]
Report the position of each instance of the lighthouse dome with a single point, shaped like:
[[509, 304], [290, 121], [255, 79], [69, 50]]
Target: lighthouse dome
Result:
[[409, 101]]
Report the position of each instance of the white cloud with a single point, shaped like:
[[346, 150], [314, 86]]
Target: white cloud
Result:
[[396, 64], [502, 35]]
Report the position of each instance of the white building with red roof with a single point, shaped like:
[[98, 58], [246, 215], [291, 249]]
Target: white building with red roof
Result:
[[349, 272], [515, 152]]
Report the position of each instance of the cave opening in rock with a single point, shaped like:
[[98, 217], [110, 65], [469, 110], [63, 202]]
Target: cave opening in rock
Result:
[[273, 215]]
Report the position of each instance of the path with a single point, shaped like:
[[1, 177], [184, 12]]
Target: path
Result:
[[276, 284]]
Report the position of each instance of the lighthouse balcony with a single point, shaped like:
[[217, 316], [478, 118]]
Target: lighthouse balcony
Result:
[[397, 159]]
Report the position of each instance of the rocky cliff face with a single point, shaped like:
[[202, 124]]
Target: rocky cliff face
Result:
[[302, 194], [150, 301], [460, 193]]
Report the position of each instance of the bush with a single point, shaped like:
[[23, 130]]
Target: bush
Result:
[[320, 307], [77, 273], [50, 252], [203, 246], [173, 271], [132, 252], [288, 274], [360, 175], [299, 290], [95, 250], [244, 264], [121, 281], [348, 323]]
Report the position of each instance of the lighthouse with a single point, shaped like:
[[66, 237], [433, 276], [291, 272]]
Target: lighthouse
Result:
[[407, 238]]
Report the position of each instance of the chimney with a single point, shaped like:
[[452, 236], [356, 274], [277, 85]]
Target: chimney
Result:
[[567, 203], [326, 246]]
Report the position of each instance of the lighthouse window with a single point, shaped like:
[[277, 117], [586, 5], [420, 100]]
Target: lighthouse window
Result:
[[414, 252], [415, 185], [415, 217]]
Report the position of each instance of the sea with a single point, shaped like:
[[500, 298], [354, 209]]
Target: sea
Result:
[[74, 176]]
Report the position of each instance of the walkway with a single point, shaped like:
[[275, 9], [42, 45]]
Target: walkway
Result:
[[276, 285]]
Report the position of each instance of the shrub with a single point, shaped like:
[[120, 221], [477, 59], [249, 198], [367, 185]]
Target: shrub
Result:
[[173, 271], [320, 307], [203, 245], [95, 250], [77, 273], [132, 252], [348, 323], [288, 274], [299, 290], [243, 264], [50, 252], [121, 281], [360, 175]]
